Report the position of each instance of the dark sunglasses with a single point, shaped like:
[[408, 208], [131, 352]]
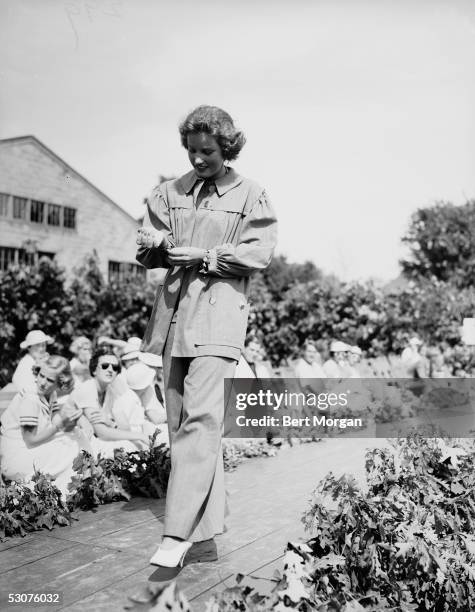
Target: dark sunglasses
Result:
[[105, 366]]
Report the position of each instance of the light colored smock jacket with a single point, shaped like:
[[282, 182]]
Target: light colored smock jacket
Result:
[[236, 223]]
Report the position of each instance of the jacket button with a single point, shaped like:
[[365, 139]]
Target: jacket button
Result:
[[242, 305], [212, 300]]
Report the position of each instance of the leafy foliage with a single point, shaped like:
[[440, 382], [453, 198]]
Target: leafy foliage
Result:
[[39, 297], [236, 451], [105, 480], [360, 313], [96, 482], [29, 508], [406, 543], [289, 303], [441, 239], [31, 297], [159, 597]]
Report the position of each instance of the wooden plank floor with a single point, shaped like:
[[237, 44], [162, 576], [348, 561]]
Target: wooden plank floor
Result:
[[102, 558]]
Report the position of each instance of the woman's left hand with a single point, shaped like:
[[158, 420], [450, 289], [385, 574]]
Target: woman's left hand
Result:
[[185, 256]]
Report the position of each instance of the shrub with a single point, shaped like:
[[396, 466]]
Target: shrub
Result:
[[26, 508], [406, 543]]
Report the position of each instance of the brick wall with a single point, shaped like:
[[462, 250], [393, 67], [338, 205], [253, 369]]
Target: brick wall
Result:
[[28, 170]]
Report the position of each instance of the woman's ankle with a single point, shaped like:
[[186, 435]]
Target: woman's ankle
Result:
[[170, 542]]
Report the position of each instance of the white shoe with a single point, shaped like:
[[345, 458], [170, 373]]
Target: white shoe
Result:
[[173, 557]]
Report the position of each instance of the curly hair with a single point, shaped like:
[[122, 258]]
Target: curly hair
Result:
[[64, 376], [79, 343], [101, 351], [218, 123]]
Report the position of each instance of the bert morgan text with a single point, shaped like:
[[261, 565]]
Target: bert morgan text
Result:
[[289, 421]]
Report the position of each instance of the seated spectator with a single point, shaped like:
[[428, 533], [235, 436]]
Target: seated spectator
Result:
[[251, 364], [354, 357], [81, 348], [309, 372], [337, 365], [36, 434], [413, 359], [130, 352], [102, 405], [35, 345], [438, 367], [131, 355], [146, 412], [308, 366]]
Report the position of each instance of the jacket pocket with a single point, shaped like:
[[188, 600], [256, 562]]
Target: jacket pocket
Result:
[[223, 314]]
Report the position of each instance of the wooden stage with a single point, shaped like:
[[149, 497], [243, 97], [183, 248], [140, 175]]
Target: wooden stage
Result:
[[102, 558]]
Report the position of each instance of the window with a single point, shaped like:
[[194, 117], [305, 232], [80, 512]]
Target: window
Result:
[[4, 204], [19, 208], [37, 211], [7, 257], [69, 217], [54, 214], [11, 255], [119, 271], [114, 270]]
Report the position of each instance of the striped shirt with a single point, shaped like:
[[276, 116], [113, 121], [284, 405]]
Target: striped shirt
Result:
[[27, 410]]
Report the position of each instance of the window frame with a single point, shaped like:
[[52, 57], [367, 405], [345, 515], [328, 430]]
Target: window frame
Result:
[[34, 204], [53, 208], [67, 211], [23, 203]]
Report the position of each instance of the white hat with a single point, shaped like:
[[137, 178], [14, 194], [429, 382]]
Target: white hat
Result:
[[35, 336], [130, 355], [132, 345], [356, 350], [151, 359], [339, 347], [140, 376], [414, 341]]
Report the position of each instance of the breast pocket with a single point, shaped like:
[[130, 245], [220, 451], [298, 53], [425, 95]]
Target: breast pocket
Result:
[[182, 216], [220, 219]]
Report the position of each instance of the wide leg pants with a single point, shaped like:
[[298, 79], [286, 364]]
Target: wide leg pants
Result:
[[194, 398]]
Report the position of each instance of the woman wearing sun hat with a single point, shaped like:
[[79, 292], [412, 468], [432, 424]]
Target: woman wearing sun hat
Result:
[[148, 410], [35, 345], [336, 366]]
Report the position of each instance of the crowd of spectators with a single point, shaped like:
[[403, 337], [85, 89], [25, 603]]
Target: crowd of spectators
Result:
[[109, 395]]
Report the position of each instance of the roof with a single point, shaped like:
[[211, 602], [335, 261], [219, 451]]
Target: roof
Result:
[[32, 139]]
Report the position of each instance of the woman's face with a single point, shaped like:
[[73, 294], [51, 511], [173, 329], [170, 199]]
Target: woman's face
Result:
[[38, 351], [310, 354], [205, 155], [107, 369], [84, 354], [46, 381]]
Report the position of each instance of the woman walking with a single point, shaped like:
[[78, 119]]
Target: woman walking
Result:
[[211, 228]]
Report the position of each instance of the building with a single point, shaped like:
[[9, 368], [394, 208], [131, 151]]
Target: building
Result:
[[48, 208]]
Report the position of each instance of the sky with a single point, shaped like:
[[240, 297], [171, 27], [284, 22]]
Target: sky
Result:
[[356, 113]]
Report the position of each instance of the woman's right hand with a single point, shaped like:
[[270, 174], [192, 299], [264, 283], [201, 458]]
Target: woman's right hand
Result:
[[149, 237], [68, 417]]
